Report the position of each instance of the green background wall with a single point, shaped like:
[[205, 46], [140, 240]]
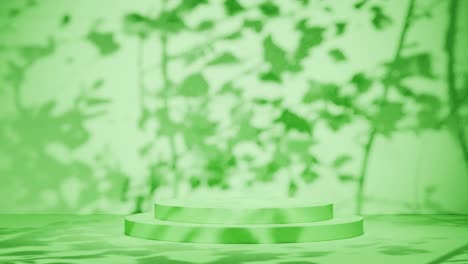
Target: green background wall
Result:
[[107, 105]]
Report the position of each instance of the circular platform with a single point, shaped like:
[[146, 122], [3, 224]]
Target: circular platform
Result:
[[147, 227], [239, 212]]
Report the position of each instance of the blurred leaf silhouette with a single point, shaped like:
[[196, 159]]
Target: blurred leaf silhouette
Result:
[[194, 85], [225, 58], [222, 94], [277, 58], [232, 7], [380, 20], [104, 42], [292, 121]]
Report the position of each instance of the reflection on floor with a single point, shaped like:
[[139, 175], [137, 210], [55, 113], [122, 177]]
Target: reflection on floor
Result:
[[99, 239]]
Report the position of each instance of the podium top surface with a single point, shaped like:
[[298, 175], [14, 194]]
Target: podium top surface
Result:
[[240, 203]]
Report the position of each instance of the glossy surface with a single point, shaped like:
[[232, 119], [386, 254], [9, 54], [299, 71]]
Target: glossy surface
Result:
[[98, 239]]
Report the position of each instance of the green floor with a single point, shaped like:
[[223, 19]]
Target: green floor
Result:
[[99, 239]]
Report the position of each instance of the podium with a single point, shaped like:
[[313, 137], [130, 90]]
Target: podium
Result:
[[239, 221]]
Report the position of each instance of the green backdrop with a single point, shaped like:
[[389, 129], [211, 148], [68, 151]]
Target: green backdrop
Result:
[[107, 105]]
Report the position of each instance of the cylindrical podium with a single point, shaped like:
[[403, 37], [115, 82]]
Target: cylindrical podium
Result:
[[238, 221]]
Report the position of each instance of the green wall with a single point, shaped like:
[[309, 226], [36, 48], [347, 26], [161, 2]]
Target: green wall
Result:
[[107, 105]]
